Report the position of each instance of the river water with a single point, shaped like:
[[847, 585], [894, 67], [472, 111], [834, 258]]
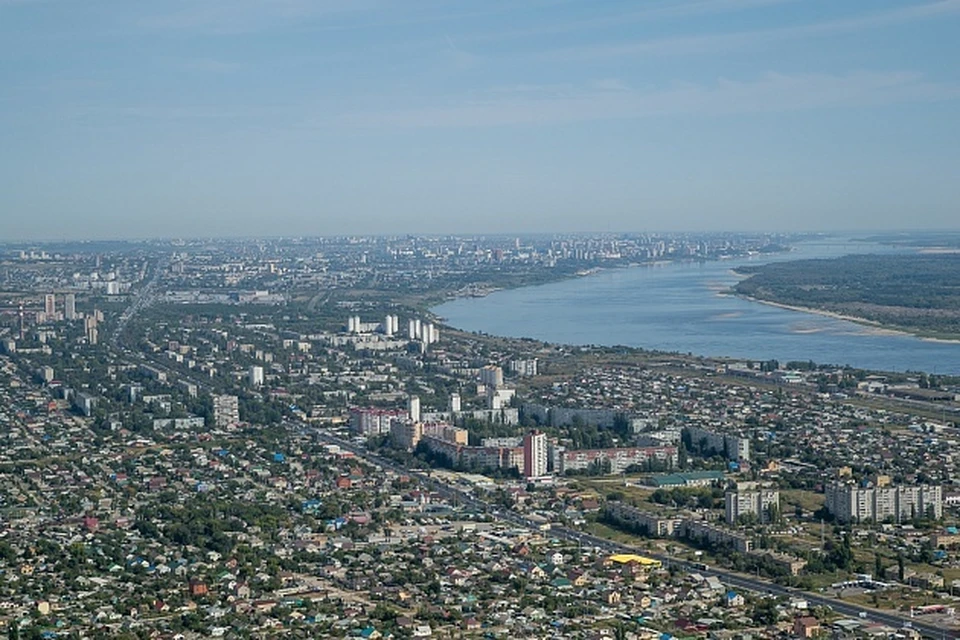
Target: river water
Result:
[[680, 307]]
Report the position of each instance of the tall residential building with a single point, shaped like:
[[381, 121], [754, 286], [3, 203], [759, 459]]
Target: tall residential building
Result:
[[414, 408], [50, 305], [619, 459], [492, 376], [255, 376], [70, 306], [524, 368], [848, 502], [710, 442], [375, 422], [535, 454], [90, 326], [354, 325], [226, 411], [455, 403], [429, 334], [750, 499], [406, 434]]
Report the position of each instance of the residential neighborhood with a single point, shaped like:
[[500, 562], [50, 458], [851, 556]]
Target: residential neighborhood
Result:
[[249, 441]]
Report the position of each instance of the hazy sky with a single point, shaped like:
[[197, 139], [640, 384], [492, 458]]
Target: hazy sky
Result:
[[122, 118]]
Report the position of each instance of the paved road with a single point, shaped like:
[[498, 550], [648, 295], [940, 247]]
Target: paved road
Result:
[[737, 580], [145, 297]]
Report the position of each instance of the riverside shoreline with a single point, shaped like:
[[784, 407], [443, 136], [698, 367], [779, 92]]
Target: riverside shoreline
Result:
[[873, 327], [682, 308]]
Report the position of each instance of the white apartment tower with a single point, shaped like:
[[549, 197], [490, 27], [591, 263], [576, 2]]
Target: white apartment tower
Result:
[[70, 306], [226, 411], [491, 376], [414, 408], [750, 499], [535, 454], [851, 503], [255, 376], [90, 327]]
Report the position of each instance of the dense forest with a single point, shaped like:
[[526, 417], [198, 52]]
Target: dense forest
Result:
[[917, 293]]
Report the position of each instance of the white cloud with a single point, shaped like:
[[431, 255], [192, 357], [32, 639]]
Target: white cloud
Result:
[[773, 92]]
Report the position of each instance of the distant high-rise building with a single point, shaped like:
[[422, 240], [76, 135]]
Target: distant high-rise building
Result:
[[387, 325], [455, 403], [535, 454], [429, 334], [90, 326], [255, 376], [749, 499], [226, 410], [848, 502], [406, 434], [354, 325], [414, 408], [375, 422], [524, 368], [70, 306], [50, 305], [491, 376]]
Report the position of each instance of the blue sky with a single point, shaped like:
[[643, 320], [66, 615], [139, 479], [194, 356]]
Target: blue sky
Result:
[[175, 118]]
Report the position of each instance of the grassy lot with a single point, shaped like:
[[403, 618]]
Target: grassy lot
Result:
[[898, 599], [603, 531], [605, 486], [949, 574], [808, 500]]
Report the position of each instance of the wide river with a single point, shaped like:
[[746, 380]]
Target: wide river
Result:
[[679, 307]]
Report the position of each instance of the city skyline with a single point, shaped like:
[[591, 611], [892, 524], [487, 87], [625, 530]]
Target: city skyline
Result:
[[300, 118]]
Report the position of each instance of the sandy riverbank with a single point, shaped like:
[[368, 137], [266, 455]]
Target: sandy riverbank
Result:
[[871, 326]]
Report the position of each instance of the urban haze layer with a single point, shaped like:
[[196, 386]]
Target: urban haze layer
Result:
[[278, 438]]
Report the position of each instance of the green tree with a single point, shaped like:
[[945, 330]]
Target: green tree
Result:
[[765, 612]]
